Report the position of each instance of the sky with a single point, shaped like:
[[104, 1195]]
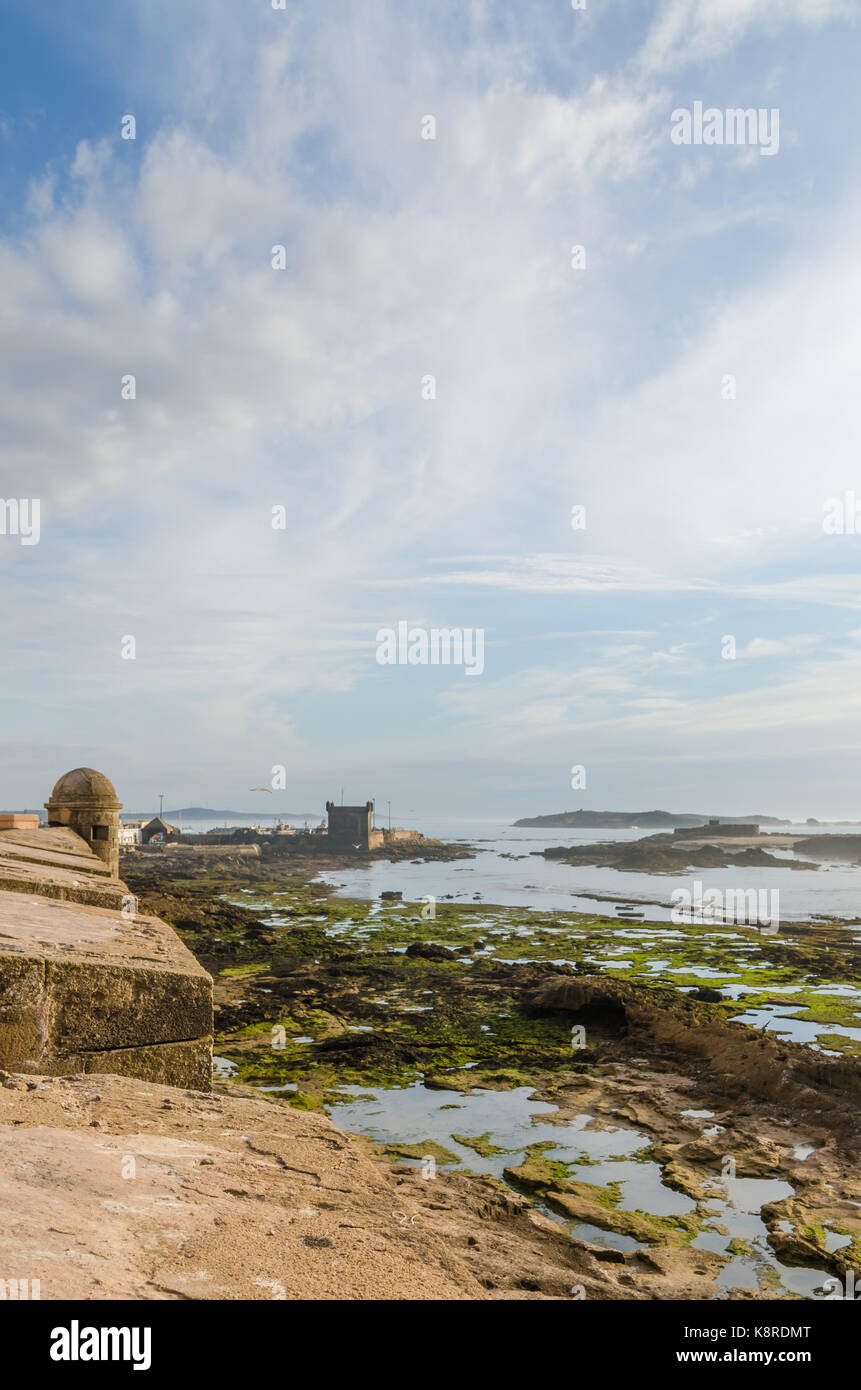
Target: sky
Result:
[[428, 386]]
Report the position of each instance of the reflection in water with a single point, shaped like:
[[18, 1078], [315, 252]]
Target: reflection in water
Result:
[[526, 879], [776, 1018], [512, 1122]]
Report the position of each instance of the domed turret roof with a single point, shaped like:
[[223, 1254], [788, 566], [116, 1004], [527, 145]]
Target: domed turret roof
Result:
[[83, 785]]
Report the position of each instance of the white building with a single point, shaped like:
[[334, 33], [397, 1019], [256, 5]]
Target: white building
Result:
[[130, 832]]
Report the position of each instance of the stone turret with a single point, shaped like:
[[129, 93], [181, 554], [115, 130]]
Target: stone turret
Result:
[[350, 825], [86, 801]]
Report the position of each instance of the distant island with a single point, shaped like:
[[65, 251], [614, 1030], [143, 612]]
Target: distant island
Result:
[[629, 820], [207, 813]]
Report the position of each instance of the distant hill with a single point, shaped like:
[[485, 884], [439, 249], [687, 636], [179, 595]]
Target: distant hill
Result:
[[207, 813], [626, 820]]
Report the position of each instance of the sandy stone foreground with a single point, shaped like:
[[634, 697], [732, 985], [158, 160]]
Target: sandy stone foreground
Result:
[[116, 1188]]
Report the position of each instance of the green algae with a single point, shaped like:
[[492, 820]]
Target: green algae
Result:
[[473, 1031], [769, 1280], [429, 1148], [483, 1038], [480, 1144], [598, 1205], [305, 1100], [694, 956], [738, 1246], [836, 1042]]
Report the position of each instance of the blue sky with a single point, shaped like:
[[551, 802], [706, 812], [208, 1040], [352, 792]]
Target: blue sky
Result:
[[555, 386]]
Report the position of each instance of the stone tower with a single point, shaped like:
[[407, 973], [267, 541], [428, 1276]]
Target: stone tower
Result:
[[350, 824], [86, 801]]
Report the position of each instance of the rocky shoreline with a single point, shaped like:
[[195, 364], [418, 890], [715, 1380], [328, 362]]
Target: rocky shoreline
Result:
[[317, 996]]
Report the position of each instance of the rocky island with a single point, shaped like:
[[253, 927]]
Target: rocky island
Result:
[[633, 820]]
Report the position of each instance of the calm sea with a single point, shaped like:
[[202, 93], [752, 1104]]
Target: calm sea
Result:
[[507, 870]]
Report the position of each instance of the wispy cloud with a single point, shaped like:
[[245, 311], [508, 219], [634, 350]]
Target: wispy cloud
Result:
[[408, 259]]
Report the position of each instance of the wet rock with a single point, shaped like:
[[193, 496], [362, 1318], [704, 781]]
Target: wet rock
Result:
[[426, 950], [12, 1082], [749, 1064], [683, 1179], [288, 965]]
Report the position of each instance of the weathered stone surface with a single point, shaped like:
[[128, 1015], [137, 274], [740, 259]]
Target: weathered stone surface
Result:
[[112, 1188], [65, 887], [750, 1063], [85, 987], [22, 997], [55, 863], [119, 1189], [77, 980], [185, 1064], [95, 1006], [52, 846]]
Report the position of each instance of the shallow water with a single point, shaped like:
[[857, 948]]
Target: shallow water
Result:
[[613, 1239], [771, 1017], [529, 880], [512, 1121], [739, 1214], [775, 1018], [412, 1114]]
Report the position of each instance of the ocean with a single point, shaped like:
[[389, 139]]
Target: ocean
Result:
[[526, 879], [509, 870]]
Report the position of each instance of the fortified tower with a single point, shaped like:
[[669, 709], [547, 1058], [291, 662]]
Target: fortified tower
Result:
[[351, 825], [86, 801]]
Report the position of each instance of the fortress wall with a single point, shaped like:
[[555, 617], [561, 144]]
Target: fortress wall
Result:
[[86, 984]]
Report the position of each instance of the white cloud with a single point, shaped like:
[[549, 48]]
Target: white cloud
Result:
[[556, 573], [770, 646], [699, 31], [405, 258]]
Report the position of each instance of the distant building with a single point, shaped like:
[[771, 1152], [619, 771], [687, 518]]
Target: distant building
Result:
[[717, 829], [350, 826], [157, 831], [130, 832]]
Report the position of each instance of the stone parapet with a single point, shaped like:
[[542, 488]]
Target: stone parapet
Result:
[[86, 984]]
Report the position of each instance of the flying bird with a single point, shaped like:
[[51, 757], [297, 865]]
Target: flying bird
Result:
[[262, 789]]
